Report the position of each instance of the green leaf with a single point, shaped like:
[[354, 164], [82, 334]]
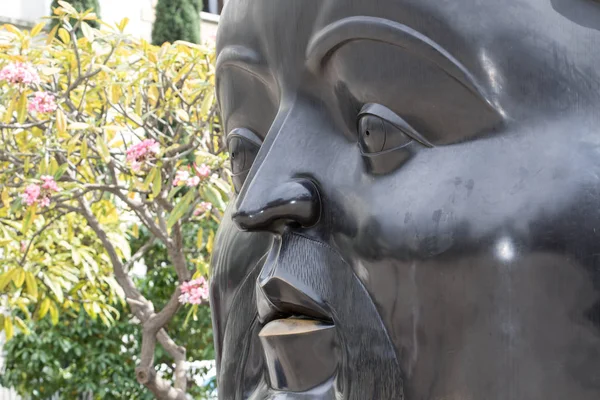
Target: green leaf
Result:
[[157, 183], [22, 108], [28, 218], [214, 196], [173, 192], [149, 179], [60, 171], [180, 209], [200, 238]]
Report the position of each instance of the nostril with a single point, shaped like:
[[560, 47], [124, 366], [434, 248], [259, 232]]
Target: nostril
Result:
[[295, 203]]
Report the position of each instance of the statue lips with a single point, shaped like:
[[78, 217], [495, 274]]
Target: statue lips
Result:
[[299, 353], [299, 340]]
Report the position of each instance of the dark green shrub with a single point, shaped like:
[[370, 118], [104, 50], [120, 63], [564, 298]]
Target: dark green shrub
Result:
[[177, 20]]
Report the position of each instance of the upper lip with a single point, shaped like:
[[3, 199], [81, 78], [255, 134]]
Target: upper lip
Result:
[[277, 298]]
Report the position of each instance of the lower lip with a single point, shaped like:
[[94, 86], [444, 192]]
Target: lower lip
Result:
[[300, 353]]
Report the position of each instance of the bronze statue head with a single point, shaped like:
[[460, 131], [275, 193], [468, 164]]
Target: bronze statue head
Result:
[[417, 208]]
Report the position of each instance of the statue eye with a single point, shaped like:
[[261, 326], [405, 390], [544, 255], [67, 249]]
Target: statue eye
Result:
[[385, 139], [377, 135], [243, 145]]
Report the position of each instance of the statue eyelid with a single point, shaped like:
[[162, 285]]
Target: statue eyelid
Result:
[[243, 145], [392, 118]]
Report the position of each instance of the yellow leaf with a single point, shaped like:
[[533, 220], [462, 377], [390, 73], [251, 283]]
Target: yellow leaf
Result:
[[209, 244], [123, 24], [61, 121], [50, 71], [67, 7], [9, 111], [8, 328], [5, 197], [135, 231], [103, 150], [32, 287], [115, 93], [206, 103], [12, 29], [53, 166], [138, 105], [84, 149], [21, 325], [200, 238], [22, 108], [153, 95], [90, 17], [88, 31], [77, 126], [64, 35], [52, 34], [53, 313], [44, 307], [38, 28], [182, 115], [19, 278], [7, 277], [72, 144]]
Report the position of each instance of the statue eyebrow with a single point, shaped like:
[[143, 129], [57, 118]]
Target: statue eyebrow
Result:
[[325, 42], [244, 58]]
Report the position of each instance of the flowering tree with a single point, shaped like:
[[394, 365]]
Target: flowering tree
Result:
[[98, 136]]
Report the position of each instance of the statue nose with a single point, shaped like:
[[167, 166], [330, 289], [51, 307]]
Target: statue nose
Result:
[[294, 202]]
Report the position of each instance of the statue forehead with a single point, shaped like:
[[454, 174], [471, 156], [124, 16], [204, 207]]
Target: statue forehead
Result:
[[273, 26]]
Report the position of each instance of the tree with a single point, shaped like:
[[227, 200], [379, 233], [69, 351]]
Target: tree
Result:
[[82, 359], [177, 20], [120, 134]]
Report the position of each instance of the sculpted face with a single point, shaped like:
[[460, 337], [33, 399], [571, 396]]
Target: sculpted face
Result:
[[418, 200]]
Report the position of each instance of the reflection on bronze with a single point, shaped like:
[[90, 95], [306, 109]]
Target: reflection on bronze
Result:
[[417, 208]]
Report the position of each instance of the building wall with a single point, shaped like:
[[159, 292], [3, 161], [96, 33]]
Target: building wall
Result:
[[25, 13]]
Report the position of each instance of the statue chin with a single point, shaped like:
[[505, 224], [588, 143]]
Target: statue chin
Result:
[[416, 201]]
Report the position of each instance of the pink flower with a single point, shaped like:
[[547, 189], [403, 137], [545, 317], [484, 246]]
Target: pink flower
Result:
[[49, 183], [44, 201], [181, 177], [31, 194], [194, 291], [203, 171], [20, 73], [202, 208], [42, 103], [40, 194], [141, 152], [193, 181]]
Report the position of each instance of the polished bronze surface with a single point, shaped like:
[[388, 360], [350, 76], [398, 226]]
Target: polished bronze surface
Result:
[[417, 207]]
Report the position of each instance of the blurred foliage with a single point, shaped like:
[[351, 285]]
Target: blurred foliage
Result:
[[67, 252], [177, 20], [81, 6]]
